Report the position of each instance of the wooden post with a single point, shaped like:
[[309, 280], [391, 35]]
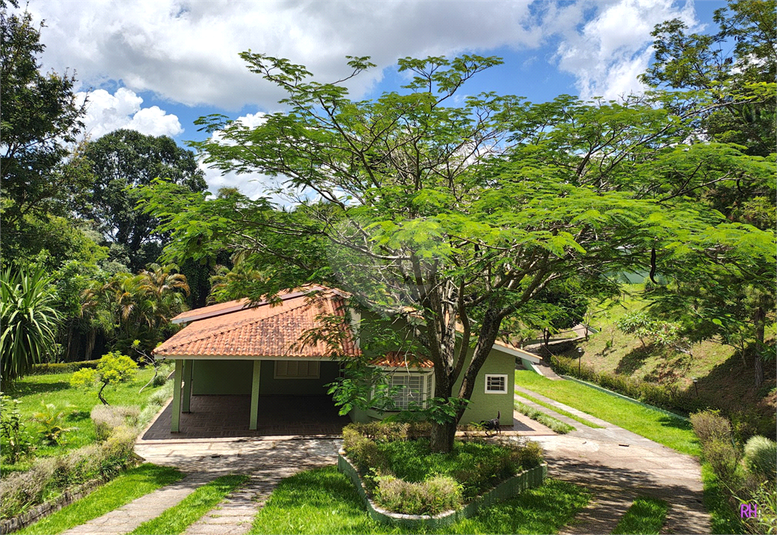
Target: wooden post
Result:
[[256, 379], [175, 426], [187, 385]]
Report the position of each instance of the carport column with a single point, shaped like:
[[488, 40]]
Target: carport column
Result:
[[255, 394], [187, 384], [176, 420]]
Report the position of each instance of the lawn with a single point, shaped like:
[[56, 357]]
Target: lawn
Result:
[[675, 433], [646, 516], [129, 486], [555, 425], [324, 501], [35, 391]]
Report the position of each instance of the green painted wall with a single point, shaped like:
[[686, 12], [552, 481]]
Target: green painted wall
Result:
[[485, 406], [270, 386], [222, 377]]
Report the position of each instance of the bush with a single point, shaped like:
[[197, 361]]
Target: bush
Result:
[[429, 497], [50, 476], [15, 439], [723, 457], [107, 418], [710, 425], [765, 496], [761, 457]]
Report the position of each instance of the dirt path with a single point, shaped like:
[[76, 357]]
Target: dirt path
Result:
[[617, 466]]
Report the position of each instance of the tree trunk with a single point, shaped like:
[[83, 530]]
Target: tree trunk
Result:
[[759, 318], [442, 437], [100, 394]]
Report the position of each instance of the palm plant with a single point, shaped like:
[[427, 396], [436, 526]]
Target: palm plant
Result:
[[28, 322]]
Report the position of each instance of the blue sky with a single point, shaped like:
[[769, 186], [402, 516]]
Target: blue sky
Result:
[[157, 65]]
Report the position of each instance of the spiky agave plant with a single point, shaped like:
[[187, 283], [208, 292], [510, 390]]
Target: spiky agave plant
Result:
[[28, 323]]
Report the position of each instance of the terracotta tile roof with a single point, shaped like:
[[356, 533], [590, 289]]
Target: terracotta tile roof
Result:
[[402, 359], [262, 331]]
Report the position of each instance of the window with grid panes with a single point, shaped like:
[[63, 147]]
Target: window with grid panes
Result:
[[415, 388], [496, 384]]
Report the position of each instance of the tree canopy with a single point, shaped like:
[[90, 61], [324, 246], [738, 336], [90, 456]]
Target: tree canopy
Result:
[[461, 215], [121, 160]]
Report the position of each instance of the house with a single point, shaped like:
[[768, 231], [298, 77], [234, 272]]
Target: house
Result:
[[258, 351]]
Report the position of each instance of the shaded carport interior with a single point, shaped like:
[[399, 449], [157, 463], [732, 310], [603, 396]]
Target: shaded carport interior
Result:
[[227, 416]]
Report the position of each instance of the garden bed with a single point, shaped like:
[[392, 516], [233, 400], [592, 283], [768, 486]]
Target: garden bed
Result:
[[402, 482]]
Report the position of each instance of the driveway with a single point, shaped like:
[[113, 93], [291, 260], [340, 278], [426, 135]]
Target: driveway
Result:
[[617, 466]]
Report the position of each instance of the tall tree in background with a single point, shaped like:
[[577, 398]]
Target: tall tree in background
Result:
[[460, 216], [41, 179], [127, 158], [729, 78]]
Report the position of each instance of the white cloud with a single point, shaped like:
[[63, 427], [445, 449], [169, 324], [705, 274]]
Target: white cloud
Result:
[[106, 113], [187, 51], [607, 53]]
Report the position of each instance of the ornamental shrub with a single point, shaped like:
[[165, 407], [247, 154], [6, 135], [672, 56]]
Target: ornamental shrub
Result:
[[710, 425], [113, 368], [107, 418], [761, 457], [430, 497]]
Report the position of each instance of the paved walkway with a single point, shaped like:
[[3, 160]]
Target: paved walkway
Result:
[[267, 461], [145, 508], [617, 466]]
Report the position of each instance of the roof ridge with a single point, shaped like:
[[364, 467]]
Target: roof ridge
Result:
[[248, 321]]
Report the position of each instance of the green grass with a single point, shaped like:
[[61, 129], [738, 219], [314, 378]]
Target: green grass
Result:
[[35, 390], [672, 432], [127, 487], [176, 519], [324, 501], [560, 411], [645, 516], [723, 517], [557, 426]]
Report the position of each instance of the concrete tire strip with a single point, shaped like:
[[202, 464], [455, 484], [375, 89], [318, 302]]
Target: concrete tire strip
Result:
[[617, 466], [267, 462]]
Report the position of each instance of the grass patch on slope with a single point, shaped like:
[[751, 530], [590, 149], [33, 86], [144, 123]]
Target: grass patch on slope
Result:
[[557, 426], [672, 432], [179, 517], [645, 516], [133, 484], [325, 501], [560, 411]]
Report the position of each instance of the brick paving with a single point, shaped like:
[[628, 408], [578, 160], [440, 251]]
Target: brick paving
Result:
[[228, 416]]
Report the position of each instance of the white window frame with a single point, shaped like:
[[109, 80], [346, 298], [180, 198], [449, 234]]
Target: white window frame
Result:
[[312, 369], [496, 375], [426, 389]]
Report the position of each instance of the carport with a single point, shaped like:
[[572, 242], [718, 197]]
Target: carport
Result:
[[243, 369]]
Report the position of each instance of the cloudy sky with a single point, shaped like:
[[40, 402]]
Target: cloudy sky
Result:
[[157, 65]]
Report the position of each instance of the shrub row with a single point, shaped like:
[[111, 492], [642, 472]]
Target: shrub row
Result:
[[52, 475], [747, 474], [665, 397], [746, 421], [63, 367]]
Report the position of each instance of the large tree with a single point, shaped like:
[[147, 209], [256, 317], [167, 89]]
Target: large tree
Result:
[[127, 158], [42, 178], [728, 76], [455, 217]]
